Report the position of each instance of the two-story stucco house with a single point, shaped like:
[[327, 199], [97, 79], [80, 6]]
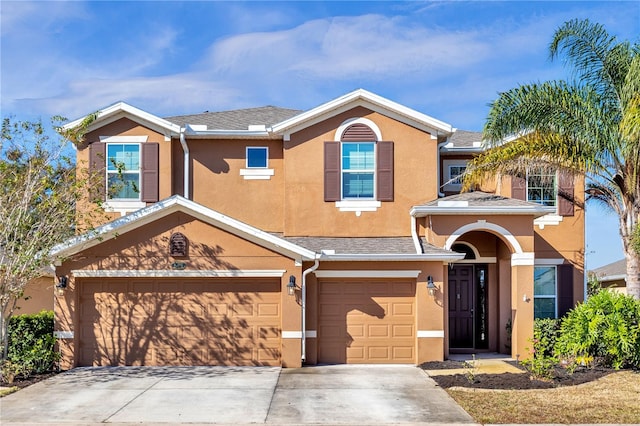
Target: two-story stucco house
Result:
[[271, 236]]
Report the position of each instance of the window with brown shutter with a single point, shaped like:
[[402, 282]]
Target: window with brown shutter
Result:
[[347, 172], [332, 171], [150, 176], [565, 289], [565, 194], [97, 164], [385, 171]]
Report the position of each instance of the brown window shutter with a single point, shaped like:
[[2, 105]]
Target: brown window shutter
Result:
[[385, 171], [565, 289], [519, 188], [149, 172], [565, 194], [97, 170], [332, 171]]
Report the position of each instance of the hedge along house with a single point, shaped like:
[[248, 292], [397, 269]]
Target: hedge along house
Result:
[[270, 236]]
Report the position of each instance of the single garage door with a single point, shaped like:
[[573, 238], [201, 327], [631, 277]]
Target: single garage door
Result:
[[208, 321], [366, 321]]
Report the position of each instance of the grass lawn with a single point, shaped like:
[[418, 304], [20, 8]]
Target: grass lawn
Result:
[[613, 398]]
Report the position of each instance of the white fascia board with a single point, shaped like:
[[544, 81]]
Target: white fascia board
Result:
[[201, 273], [177, 203], [422, 211], [120, 110], [620, 277], [453, 257], [367, 99], [228, 134]]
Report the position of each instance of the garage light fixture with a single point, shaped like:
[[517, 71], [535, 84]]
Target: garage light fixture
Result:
[[291, 286], [431, 286], [61, 285]]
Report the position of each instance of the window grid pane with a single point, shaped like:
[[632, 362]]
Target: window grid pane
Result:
[[358, 170], [123, 171], [257, 157], [541, 187], [544, 289]]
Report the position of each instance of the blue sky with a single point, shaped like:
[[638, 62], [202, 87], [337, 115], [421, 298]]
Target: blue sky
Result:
[[445, 59]]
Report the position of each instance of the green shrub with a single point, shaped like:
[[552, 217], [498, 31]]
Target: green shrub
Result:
[[31, 343], [542, 363], [605, 328]]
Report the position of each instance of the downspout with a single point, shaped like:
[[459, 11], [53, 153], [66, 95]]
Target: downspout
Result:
[[414, 234], [439, 179], [185, 149], [303, 291]]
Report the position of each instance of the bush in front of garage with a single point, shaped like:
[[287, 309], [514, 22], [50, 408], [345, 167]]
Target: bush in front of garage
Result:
[[31, 346]]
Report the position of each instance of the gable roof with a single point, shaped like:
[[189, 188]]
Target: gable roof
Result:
[[368, 100], [123, 110], [174, 204], [479, 202]]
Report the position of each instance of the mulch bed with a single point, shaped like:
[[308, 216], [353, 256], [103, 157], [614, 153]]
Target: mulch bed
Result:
[[512, 381], [21, 382]]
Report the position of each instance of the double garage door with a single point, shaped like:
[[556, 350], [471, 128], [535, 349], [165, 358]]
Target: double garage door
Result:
[[366, 321], [217, 321]]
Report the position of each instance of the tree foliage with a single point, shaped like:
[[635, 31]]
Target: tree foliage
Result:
[[37, 208], [589, 126]]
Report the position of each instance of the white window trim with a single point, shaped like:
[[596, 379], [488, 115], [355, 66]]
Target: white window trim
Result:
[[454, 185], [256, 173], [374, 171], [555, 189], [546, 296], [130, 202]]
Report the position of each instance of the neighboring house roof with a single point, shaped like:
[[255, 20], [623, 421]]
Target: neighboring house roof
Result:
[[615, 271], [368, 100], [464, 141], [479, 202], [173, 204], [362, 248], [239, 119]]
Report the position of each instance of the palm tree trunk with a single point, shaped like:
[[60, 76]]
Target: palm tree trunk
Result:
[[633, 272]]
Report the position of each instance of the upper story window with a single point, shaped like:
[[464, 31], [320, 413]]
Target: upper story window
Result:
[[257, 164], [358, 170], [358, 167], [455, 173], [126, 169], [541, 187], [257, 157], [544, 292], [123, 171]]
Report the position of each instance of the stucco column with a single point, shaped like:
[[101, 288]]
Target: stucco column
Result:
[[291, 323], [430, 314], [521, 304]]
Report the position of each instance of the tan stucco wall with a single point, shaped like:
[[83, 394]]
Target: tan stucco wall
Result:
[[38, 296], [415, 181], [217, 183]]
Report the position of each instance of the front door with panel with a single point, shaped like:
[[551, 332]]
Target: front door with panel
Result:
[[468, 307]]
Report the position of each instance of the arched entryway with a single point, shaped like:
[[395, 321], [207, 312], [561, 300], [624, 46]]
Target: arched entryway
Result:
[[479, 305]]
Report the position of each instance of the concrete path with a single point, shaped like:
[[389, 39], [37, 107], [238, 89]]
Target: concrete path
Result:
[[234, 395]]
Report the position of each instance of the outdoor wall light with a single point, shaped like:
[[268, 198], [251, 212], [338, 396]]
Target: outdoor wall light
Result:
[[61, 285], [431, 286], [291, 286]]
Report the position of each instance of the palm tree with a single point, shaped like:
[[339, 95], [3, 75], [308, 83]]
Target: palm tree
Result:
[[589, 126]]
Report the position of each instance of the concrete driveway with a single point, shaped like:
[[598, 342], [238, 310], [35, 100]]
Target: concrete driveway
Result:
[[235, 395]]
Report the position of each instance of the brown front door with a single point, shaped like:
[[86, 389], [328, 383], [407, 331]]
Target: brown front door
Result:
[[461, 306]]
